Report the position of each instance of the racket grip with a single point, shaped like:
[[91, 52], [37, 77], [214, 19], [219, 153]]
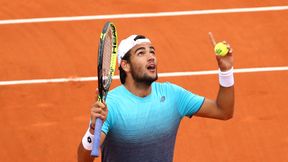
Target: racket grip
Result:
[[97, 135]]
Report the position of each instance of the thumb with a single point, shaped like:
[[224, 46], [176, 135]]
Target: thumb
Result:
[[97, 94], [96, 91]]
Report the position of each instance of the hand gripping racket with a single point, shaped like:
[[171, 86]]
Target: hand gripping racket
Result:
[[107, 56]]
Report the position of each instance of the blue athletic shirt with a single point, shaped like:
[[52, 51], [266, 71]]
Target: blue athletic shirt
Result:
[[143, 129]]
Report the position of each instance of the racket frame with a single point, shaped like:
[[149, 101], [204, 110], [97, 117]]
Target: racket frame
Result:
[[103, 89]]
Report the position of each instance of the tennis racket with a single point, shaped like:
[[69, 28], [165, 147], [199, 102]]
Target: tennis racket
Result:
[[107, 56]]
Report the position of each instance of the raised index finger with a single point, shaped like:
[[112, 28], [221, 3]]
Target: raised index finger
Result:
[[212, 39]]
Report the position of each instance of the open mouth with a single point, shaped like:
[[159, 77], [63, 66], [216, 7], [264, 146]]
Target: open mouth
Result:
[[151, 67]]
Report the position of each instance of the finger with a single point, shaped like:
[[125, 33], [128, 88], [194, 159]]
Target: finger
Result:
[[93, 113], [230, 50], [105, 105], [212, 39], [99, 104], [99, 110], [96, 94], [93, 118], [100, 116], [96, 110], [97, 114]]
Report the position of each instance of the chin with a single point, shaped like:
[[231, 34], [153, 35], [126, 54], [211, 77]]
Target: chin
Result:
[[150, 79], [154, 78]]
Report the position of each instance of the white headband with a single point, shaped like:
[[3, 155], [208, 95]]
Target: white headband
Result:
[[127, 44]]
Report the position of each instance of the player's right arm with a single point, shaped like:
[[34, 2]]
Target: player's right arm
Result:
[[85, 155], [98, 110]]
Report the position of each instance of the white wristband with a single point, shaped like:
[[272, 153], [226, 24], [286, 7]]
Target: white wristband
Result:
[[87, 140], [226, 79]]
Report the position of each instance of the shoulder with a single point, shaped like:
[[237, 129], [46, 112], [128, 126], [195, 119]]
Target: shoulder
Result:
[[117, 90], [114, 95]]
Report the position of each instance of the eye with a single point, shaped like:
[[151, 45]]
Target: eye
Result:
[[153, 52], [140, 53]]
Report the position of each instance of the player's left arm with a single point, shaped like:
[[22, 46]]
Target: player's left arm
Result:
[[223, 107]]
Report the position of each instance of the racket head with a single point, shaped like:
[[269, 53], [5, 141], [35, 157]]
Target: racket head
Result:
[[107, 56]]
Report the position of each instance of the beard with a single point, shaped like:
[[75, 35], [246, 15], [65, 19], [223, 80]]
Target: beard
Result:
[[142, 78]]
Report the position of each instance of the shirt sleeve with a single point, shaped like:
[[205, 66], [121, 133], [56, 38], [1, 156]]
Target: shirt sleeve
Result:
[[188, 103]]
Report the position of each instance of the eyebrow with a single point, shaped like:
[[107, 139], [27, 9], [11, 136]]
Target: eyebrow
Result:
[[143, 48]]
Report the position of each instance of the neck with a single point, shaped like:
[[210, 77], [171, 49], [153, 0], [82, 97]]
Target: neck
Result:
[[138, 89]]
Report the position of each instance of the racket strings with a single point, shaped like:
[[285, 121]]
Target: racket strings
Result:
[[107, 50]]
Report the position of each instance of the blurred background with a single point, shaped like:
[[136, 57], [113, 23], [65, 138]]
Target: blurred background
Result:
[[48, 39]]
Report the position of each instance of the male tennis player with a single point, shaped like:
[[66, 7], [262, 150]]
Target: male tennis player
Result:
[[144, 115]]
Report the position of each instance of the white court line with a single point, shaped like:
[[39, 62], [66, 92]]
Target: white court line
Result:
[[142, 15], [172, 74]]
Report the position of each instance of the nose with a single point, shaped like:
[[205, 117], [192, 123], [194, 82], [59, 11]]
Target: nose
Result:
[[151, 57]]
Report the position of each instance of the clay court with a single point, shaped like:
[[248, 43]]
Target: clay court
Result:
[[44, 121]]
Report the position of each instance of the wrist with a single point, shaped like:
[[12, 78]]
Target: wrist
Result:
[[87, 140], [226, 78], [91, 128]]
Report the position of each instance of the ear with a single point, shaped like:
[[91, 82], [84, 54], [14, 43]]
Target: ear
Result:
[[125, 65]]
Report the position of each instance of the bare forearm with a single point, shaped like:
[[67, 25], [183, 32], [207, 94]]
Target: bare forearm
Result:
[[84, 148], [225, 101], [83, 154]]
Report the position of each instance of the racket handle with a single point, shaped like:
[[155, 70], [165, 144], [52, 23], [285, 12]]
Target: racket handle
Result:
[[97, 135]]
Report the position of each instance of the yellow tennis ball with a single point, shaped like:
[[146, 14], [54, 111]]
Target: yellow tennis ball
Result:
[[221, 49]]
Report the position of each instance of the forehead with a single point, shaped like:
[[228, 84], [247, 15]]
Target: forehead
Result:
[[142, 45]]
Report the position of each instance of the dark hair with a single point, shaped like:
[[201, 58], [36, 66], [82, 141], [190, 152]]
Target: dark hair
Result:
[[126, 57], [139, 37], [121, 71]]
